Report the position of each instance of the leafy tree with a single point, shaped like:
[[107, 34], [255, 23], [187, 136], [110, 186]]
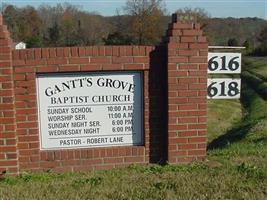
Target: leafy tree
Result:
[[68, 28], [120, 30], [146, 17], [263, 35], [118, 38], [92, 28], [34, 41], [24, 24], [54, 34], [261, 50], [11, 15], [247, 44], [29, 27], [232, 42]]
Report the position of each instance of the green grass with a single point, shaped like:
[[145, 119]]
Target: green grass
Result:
[[220, 120], [196, 181], [256, 64], [236, 165], [247, 140]]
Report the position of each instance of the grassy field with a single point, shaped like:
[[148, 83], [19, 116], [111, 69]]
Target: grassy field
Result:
[[236, 166]]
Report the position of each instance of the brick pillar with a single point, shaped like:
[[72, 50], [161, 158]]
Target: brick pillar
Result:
[[8, 149], [187, 85]]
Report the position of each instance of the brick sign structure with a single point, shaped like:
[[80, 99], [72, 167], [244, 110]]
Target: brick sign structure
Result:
[[164, 87]]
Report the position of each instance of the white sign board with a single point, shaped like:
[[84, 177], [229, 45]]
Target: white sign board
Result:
[[84, 110], [224, 88], [224, 63]]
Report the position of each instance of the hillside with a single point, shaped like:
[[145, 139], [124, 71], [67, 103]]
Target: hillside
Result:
[[219, 30]]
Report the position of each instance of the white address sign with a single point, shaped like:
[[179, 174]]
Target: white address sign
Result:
[[84, 110], [224, 88], [224, 63]]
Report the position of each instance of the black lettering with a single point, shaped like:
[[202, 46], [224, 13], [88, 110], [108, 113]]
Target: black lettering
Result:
[[116, 84], [49, 92], [109, 82], [89, 82], [131, 88], [57, 90], [100, 82], [65, 85]]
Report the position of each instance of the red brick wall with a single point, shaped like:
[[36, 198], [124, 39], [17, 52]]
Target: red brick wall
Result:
[[27, 63], [187, 93], [8, 148], [174, 101]]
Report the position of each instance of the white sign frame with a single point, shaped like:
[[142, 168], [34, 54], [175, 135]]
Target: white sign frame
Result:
[[137, 100]]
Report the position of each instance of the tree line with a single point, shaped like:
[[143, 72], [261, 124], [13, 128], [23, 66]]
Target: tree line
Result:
[[68, 25], [142, 22]]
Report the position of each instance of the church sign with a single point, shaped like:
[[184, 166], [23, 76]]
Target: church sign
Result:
[[84, 110]]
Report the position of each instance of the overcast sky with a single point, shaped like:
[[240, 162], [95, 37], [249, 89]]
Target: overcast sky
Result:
[[216, 8]]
